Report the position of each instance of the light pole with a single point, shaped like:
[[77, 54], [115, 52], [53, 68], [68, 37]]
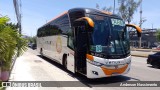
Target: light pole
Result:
[[17, 7], [140, 38], [114, 7]]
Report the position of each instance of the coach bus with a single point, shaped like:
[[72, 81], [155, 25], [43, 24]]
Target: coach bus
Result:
[[88, 41]]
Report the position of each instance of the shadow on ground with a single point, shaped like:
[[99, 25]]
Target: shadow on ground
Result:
[[153, 67], [85, 82]]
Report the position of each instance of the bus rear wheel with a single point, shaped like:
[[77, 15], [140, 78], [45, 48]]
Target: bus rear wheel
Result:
[[65, 61], [41, 52]]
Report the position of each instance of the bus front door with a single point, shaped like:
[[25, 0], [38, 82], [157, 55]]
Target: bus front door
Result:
[[80, 35]]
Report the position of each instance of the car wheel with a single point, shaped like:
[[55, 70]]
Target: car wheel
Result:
[[147, 61], [155, 65]]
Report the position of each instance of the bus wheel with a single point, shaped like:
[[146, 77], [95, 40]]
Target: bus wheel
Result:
[[41, 52], [65, 61]]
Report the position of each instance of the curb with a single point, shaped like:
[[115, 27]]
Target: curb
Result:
[[140, 56]]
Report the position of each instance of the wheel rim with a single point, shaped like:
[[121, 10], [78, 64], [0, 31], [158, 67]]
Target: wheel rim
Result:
[[155, 65]]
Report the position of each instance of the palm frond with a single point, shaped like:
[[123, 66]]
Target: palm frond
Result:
[[10, 42]]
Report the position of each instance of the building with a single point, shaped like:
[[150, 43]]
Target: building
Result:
[[148, 39]]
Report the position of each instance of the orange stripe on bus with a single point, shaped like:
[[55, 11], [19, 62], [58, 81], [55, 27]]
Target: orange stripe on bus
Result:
[[106, 12], [58, 16], [90, 57], [111, 71]]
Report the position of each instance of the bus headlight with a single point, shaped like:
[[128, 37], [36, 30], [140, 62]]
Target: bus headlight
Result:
[[95, 63]]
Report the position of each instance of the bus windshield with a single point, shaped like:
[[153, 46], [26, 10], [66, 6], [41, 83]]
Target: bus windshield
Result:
[[109, 38]]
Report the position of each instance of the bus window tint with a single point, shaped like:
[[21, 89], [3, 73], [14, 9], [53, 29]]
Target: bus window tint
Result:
[[70, 39], [101, 30]]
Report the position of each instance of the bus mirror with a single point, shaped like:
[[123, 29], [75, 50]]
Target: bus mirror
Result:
[[85, 21], [138, 29], [79, 23]]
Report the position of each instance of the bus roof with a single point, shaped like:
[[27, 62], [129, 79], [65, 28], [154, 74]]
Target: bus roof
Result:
[[57, 17], [93, 11], [85, 10]]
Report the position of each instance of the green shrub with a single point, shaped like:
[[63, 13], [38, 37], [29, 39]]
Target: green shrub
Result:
[[11, 43]]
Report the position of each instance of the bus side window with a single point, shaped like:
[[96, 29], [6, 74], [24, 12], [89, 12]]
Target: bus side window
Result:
[[70, 39]]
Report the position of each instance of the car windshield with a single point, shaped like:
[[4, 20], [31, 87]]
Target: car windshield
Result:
[[109, 37]]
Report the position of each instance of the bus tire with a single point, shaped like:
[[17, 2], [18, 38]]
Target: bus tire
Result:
[[65, 61], [41, 52]]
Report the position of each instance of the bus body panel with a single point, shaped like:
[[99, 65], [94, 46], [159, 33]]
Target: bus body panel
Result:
[[67, 51], [70, 60], [50, 46], [92, 68], [94, 71], [56, 44]]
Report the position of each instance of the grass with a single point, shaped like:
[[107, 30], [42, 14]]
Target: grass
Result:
[[1, 88]]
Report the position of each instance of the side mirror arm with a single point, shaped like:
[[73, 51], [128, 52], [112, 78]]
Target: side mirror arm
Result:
[[138, 29]]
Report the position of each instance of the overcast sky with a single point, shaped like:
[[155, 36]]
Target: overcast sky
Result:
[[35, 13]]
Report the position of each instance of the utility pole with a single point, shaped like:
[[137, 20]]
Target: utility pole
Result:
[[114, 7], [17, 8], [140, 38]]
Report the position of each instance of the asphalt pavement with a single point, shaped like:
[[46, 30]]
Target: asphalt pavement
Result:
[[32, 67]]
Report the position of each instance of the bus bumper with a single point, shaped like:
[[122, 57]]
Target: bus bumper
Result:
[[101, 71]]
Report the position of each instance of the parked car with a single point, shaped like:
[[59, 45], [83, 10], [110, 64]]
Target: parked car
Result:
[[152, 46], [34, 46], [158, 47], [29, 44], [154, 60]]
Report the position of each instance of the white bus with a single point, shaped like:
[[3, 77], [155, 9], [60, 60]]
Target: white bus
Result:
[[87, 41]]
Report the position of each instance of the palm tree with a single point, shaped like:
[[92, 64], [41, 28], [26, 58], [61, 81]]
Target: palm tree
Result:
[[11, 44], [128, 8], [108, 9]]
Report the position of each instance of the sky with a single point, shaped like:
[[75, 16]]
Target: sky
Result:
[[36, 13]]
